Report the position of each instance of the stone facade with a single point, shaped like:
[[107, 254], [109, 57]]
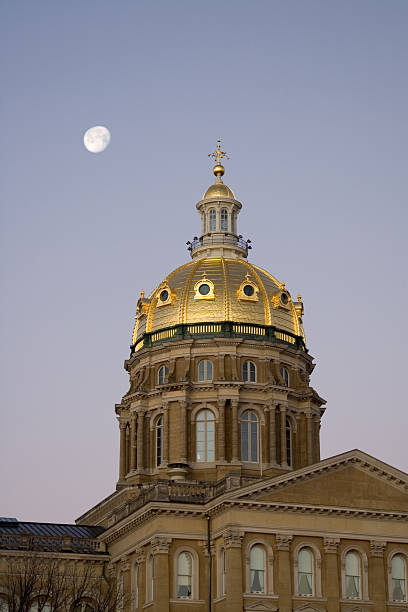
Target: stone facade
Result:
[[222, 501]]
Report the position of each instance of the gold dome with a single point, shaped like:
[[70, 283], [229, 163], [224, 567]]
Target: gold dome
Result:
[[219, 190], [178, 298]]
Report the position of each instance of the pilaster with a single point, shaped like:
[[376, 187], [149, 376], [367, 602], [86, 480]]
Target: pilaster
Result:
[[160, 549], [377, 575], [234, 428], [221, 430], [233, 559], [283, 407], [331, 547], [283, 542]]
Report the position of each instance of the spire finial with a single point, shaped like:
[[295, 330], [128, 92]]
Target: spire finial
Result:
[[218, 155]]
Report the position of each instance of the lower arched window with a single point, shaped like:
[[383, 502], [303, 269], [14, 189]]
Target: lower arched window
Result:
[[257, 569], [83, 606], [399, 578], [162, 374], [353, 575], [248, 371], [205, 435], [159, 441], [184, 575], [249, 436], [305, 572], [42, 605]]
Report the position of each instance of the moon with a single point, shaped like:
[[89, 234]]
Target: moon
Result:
[[97, 138]]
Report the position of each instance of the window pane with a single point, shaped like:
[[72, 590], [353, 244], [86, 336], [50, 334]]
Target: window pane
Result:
[[352, 575], [245, 371], [399, 585], [224, 220], [252, 370], [201, 370], [244, 440], [212, 220], [257, 569], [254, 441], [305, 561]]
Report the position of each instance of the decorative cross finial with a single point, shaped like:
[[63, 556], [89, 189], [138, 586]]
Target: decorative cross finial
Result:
[[218, 154]]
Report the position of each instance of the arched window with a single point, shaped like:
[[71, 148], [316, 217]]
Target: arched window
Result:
[[224, 220], [205, 435], [249, 436], [213, 220], [305, 572], [399, 578], [159, 441], [162, 374], [205, 370], [288, 430], [249, 371], [353, 575], [257, 569], [285, 376], [184, 575]]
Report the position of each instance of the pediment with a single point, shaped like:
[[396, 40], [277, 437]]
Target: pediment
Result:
[[308, 607], [351, 480], [260, 606]]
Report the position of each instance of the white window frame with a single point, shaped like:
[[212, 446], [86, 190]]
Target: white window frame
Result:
[[404, 555], [162, 374], [224, 218], [363, 569], [206, 441], [268, 572], [247, 364], [212, 220], [158, 428], [317, 569], [208, 370], [250, 422], [194, 572]]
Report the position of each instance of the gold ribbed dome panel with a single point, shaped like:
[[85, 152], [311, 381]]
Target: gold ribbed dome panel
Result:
[[226, 276], [219, 190]]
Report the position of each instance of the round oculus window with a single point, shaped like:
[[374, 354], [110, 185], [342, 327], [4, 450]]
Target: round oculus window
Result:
[[284, 298], [164, 296], [204, 289], [249, 290]]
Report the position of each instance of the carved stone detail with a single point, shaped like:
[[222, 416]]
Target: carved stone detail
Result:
[[331, 545], [160, 545], [377, 548], [233, 538], [283, 541], [140, 555]]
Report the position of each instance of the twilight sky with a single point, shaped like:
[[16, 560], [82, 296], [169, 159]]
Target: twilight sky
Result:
[[310, 99]]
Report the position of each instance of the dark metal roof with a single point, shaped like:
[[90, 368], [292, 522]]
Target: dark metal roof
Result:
[[14, 527]]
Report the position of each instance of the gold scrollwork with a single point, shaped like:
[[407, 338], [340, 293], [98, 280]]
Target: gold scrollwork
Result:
[[204, 289], [165, 295], [248, 290]]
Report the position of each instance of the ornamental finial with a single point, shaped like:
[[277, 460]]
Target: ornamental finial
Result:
[[218, 155]]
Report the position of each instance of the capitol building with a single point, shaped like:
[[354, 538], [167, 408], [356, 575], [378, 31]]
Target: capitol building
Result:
[[223, 503]]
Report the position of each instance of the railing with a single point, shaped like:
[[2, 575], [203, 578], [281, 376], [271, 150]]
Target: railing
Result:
[[226, 329], [50, 543], [219, 238]]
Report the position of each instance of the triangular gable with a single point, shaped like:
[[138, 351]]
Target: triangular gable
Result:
[[353, 479], [260, 606], [308, 607]]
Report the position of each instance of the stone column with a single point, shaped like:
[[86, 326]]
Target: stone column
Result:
[[183, 431], [221, 430], [284, 574], [233, 561], [122, 455], [284, 462], [140, 440], [378, 576], [309, 443], [165, 458], [272, 433], [331, 546], [221, 367], [133, 443], [234, 367], [316, 452], [234, 429], [161, 589]]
